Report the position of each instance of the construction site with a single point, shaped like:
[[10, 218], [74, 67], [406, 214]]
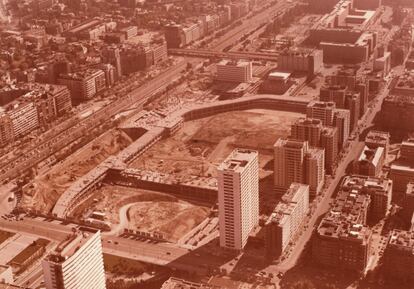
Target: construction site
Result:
[[44, 191], [200, 145]]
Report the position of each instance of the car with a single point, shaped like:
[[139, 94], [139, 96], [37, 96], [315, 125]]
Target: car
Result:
[[168, 253], [109, 242], [116, 243]]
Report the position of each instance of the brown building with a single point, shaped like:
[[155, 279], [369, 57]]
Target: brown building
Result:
[[402, 169], [329, 141], [375, 139], [397, 113], [379, 190], [352, 103], [399, 256], [370, 162], [342, 240], [84, 85], [334, 93], [342, 123], [284, 222]]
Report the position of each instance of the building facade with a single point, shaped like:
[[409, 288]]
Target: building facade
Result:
[[77, 263], [238, 194]]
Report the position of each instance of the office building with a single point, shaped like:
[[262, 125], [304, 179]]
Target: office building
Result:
[[84, 85], [77, 263], [306, 61], [285, 220], [234, 71], [238, 194]]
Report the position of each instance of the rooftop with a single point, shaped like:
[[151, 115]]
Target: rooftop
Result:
[[239, 63], [365, 184], [402, 239], [238, 160], [371, 155], [67, 248], [321, 104], [379, 137], [287, 204]]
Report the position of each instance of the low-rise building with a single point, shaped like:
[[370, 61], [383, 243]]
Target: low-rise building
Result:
[[342, 239], [375, 139], [379, 189], [370, 162], [399, 256]]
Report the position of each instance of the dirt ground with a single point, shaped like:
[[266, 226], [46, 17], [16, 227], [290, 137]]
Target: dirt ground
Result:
[[43, 193], [146, 211], [201, 145], [172, 219]]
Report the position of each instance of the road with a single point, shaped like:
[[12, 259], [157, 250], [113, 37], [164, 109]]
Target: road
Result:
[[50, 146], [165, 254], [248, 25], [354, 149]]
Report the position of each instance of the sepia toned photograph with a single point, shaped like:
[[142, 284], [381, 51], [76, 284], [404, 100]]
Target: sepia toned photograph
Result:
[[206, 144]]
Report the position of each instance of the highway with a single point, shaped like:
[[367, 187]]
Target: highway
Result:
[[264, 17], [137, 96], [84, 127], [234, 54]]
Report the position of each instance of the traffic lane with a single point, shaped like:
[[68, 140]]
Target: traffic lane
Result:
[[48, 230]]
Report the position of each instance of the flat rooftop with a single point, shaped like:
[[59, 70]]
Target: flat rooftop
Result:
[[238, 160], [402, 239], [379, 137], [69, 247]]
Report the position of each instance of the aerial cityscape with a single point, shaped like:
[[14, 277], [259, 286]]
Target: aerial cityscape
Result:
[[207, 144]]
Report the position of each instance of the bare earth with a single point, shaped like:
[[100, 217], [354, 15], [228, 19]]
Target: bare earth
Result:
[[149, 211], [200, 145], [47, 188]]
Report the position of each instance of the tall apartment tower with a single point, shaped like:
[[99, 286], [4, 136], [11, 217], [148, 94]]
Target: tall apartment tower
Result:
[[289, 158], [307, 129], [321, 110], [295, 162], [314, 170], [77, 263], [352, 103], [329, 141], [238, 194], [342, 118]]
